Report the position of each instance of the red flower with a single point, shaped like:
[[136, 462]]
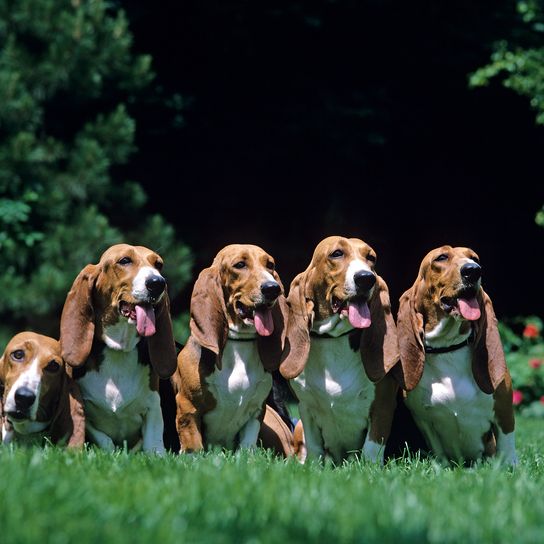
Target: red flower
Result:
[[531, 331], [517, 397], [542, 399], [535, 363]]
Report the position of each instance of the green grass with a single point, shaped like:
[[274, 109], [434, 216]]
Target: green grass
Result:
[[56, 496]]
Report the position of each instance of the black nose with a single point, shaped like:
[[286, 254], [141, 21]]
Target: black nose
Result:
[[155, 285], [471, 272], [270, 290], [364, 280], [24, 398]]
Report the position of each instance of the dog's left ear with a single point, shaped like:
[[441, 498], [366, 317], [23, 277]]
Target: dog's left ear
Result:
[[209, 313], [488, 362], [68, 424], [161, 345], [77, 319], [297, 342], [379, 345], [271, 347]]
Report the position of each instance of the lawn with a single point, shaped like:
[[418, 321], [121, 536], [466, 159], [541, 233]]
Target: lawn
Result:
[[56, 496]]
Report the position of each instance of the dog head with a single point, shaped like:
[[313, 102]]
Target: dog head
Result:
[[240, 295], [38, 394], [448, 286], [341, 280], [124, 292]]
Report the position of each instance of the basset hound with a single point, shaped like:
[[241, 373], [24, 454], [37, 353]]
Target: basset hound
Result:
[[40, 401], [224, 372], [116, 334], [453, 370], [341, 344]]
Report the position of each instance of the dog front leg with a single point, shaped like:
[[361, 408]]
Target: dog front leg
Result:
[[312, 435], [249, 433], [153, 426], [380, 420], [102, 440]]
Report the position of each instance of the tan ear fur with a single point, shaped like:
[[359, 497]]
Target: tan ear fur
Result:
[[410, 337], [68, 422], [2, 384], [77, 319], [379, 346], [271, 347], [161, 346], [297, 341], [208, 322], [488, 362]]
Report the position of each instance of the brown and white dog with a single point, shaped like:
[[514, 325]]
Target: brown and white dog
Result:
[[458, 387], [224, 373], [116, 333], [40, 401], [341, 343]]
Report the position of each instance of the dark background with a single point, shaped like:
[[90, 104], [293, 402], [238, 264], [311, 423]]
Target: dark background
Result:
[[306, 119]]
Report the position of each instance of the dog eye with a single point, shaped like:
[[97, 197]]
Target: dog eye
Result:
[[371, 258], [124, 261], [336, 254], [158, 265], [270, 265], [240, 265], [476, 260], [52, 366], [18, 355], [442, 257]]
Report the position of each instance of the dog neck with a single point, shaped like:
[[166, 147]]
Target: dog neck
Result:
[[447, 332], [122, 336], [334, 326]]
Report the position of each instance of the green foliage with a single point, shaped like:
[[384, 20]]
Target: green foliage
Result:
[[67, 80], [524, 350], [519, 63], [94, 496]]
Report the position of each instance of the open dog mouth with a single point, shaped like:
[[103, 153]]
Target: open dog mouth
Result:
[[142, 314], [17, 415], [260, 316], [464, 304], [356, 309]]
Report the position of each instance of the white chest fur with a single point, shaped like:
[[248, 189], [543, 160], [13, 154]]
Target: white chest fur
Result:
[[335, 395], [239, 389], [117, 396], [449, 408]]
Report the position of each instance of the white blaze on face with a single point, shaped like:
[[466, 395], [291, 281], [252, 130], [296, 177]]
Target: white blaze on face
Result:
[[139, 289], [469, 307], [263, 321], [30, 378], [357, 310], [356, 265]]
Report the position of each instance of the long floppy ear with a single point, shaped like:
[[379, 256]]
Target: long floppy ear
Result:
[[77, 319], [297, 341], [488, 362], [161, 345], [208, 322], [68, 424], [2, 385], [271, 347], [410, 336], [379, 345]]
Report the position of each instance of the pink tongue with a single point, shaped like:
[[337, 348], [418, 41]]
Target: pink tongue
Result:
[[469, 308], [264, 322], [359, 315], [145, 320]]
